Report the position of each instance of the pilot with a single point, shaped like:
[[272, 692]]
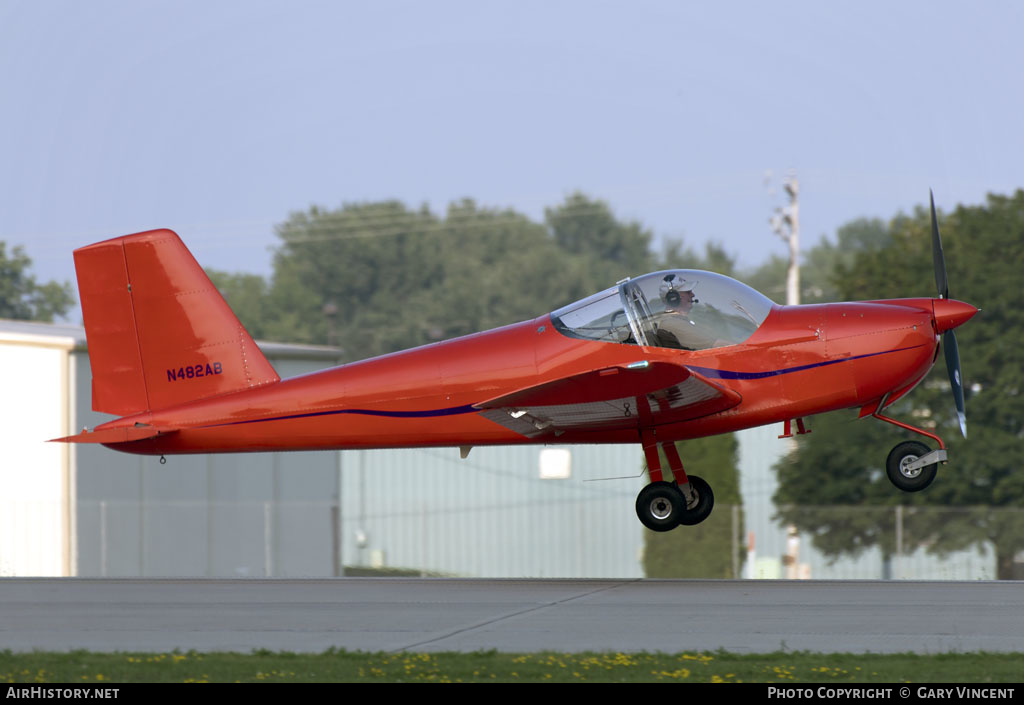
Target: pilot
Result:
[[675, 327]]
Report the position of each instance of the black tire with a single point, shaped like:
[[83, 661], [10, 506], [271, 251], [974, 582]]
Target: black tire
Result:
[[909, 480], [659, 506], [705, 503]]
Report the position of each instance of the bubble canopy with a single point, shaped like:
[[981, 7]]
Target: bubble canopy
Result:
[[685, 309]]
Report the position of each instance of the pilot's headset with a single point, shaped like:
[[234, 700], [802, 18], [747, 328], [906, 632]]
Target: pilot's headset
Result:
[[670, 288]]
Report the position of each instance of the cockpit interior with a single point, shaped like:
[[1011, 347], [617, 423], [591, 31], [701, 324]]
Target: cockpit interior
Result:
[[684, 309]]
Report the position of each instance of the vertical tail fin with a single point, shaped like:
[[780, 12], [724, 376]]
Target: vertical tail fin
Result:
[[159, 332]]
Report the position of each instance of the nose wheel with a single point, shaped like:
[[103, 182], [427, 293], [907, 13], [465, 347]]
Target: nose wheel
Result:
[[905, 469], [662, 506], [911, 465]]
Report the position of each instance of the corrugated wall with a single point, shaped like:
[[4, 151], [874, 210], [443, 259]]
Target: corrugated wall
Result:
[[203, 515], [426, 511], [491, 514]]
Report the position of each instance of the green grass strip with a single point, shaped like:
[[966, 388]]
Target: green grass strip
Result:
[[358, 667]]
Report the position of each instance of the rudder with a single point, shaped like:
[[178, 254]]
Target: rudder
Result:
[[159, 331]]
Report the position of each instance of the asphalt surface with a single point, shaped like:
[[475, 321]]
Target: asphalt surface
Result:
[[398, 614]]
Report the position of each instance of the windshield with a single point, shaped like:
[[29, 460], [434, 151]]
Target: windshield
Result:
[[685, 309], [597, 317]]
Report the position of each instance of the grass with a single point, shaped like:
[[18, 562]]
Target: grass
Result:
[[90, 668]]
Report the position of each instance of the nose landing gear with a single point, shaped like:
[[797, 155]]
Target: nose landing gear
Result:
[[911, 466]]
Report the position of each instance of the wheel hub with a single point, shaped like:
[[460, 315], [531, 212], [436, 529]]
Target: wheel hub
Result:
[[691, 497], [906, 471], [661, 509]]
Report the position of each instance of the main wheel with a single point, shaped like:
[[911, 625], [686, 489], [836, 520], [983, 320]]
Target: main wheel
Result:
[[659, 506], [699, 510], [903, 477]]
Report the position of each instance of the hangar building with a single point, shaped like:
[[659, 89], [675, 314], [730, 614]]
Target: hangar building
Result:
[[85, 510]]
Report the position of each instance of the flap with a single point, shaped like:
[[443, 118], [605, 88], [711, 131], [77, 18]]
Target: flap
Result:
[[638, 395], [596, 385]]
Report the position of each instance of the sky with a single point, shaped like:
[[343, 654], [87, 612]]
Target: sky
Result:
[[218, 119]]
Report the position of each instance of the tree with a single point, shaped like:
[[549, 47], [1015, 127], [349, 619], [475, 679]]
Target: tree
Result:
[[822, 263], [22, 298], [246, 294], [984, 256], [399, 277], [586, 228]]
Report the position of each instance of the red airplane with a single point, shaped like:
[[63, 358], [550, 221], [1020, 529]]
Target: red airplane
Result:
[[655, 359]]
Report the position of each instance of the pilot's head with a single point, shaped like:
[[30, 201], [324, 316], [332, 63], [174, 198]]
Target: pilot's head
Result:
[[677, 293]]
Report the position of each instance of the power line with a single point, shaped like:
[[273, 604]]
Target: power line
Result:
[[368, 224]]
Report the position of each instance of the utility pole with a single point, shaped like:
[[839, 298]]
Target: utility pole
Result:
[[786, 224]]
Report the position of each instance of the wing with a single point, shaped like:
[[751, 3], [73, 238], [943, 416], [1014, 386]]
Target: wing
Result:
[[612, 398]]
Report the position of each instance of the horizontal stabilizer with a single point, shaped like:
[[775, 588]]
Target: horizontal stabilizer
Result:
[[124, 434]]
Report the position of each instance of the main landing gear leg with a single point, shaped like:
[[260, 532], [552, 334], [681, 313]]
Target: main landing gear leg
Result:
[[662, 506], [912, 465], [787, 428]]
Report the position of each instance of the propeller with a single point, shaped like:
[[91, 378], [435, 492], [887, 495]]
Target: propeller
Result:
[[941, 283], [949, 346]]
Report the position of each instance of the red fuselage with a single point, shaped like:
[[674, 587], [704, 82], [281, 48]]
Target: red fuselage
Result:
[[802, 360]]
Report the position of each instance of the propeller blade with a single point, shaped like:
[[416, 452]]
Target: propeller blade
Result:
[[937, 257], [952, 353]]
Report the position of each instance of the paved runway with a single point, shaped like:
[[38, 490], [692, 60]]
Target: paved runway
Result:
[[396, 614]]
